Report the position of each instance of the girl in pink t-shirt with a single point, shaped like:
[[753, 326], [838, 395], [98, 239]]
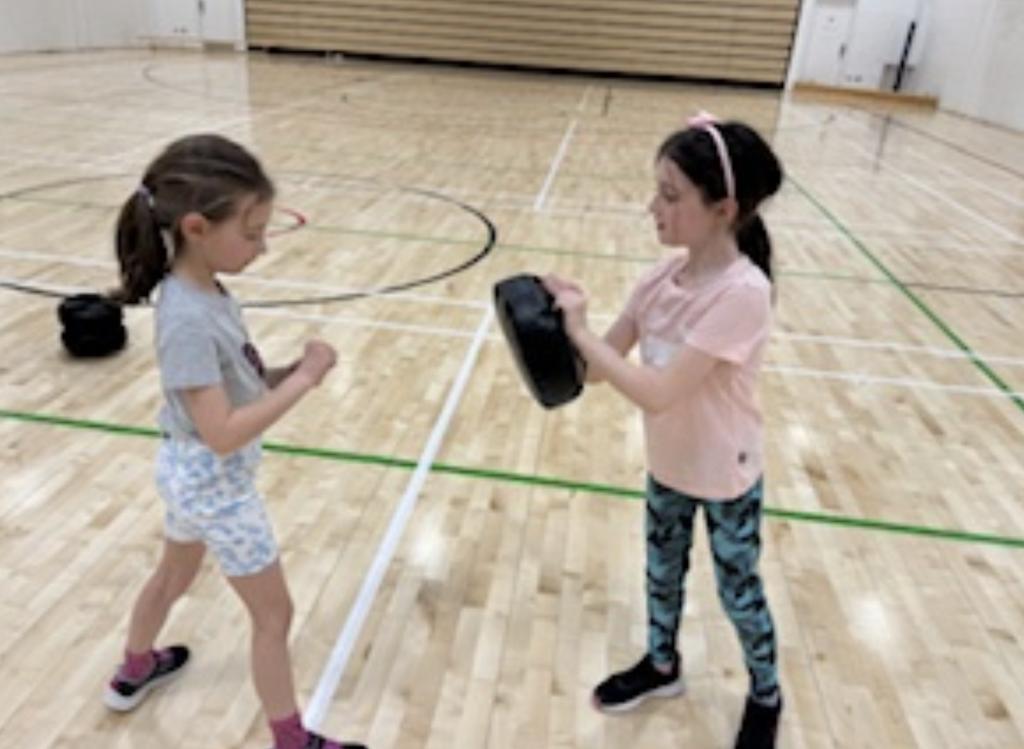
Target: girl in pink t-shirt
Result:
[[701, 317]]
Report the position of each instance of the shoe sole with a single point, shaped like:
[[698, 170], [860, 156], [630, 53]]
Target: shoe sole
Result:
[[675, 689], [121, 704]]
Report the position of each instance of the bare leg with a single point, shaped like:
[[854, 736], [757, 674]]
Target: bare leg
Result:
[[172, 577], [266, 596]]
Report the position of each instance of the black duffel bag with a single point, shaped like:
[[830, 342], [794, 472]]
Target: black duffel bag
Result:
[[548, 362], [93, 325]]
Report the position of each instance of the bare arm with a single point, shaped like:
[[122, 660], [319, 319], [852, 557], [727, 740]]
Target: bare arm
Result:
[[621, 336], [276, 375], [653, 390], [226, 429]]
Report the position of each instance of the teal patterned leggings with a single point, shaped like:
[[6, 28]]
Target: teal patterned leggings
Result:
[[734, 531]]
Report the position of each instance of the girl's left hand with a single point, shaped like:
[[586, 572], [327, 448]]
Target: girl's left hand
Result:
[[571, 299]]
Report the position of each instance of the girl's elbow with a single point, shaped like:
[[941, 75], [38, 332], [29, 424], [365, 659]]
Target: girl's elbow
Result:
[[221, 448], [655, 408], [221, 444], [656, 403], [225, 450]]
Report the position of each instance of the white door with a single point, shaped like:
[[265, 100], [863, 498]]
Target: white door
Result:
[[176, 20], [830, 37], [221, 21]]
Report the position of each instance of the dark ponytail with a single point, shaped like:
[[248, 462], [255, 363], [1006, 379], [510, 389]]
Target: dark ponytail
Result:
[[754, 242], [206, 174], [757, 175], [141, 251]]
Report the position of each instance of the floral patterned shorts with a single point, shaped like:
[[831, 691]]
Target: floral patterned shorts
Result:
[[214, 500]]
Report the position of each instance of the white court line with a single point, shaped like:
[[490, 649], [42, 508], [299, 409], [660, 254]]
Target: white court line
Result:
[[23, 226], [50, 159], [940, 353], [538, 202], [312, 286], [583, 99], [362, 322], [837, 341], [907, 242], [126, 157], [331, 676], [46, 257], [637, 211], [976, 183], [970, 212], [343, 320], [563, 147], [859, 378], [244, 278], [918, 154], [855, 377]]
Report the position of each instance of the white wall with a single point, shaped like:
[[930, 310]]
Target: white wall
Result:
[[1003, 81], [877, 38], [978, 68], [967, 53], [197, 21], [825, 29], [42, 25], [224, 21], [30, 25]]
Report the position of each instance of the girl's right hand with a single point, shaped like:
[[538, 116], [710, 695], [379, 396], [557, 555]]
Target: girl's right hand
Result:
[[571, 299], [317, 360], [556, 285]]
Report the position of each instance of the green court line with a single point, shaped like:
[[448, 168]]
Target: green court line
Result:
[[928, 312], [550, 482]]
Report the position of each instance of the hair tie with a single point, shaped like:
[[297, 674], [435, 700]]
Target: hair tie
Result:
[[146, 194]]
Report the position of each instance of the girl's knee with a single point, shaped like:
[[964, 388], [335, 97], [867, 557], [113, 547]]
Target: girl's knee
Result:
[[274, 617]]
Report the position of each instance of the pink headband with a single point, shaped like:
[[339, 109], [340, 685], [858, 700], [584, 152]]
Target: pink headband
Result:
[[707, 122]]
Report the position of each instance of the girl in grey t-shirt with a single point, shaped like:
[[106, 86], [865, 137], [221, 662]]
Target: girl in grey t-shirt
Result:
[[201, 210]]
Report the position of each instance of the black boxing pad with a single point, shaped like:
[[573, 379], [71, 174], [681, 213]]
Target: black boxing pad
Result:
[[93, 325], [548, 362]]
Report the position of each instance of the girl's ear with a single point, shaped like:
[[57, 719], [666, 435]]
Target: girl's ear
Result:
[[194, 225], [728, 209]]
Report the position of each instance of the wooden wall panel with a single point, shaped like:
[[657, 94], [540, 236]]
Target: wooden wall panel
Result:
[[741, 40]]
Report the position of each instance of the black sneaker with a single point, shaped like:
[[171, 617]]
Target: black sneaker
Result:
[[760, 725], [627, 689], [316, 741], [123, 695]]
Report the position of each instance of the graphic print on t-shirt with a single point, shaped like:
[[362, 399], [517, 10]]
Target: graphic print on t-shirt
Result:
[[253, 357], [657, 352]]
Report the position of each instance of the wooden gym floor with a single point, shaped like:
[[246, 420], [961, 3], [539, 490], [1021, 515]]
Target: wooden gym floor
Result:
[[894, 543]]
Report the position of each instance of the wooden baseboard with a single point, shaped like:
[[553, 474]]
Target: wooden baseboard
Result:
[[883, 97], [221, 46]]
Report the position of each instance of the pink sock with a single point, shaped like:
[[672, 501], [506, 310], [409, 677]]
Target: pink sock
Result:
[[137, 666], [289, 734]]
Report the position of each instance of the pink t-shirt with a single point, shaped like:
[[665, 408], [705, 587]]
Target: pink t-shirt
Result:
[[708, 445]]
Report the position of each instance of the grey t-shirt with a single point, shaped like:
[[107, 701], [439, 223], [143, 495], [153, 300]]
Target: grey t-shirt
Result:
[[201, 341]]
